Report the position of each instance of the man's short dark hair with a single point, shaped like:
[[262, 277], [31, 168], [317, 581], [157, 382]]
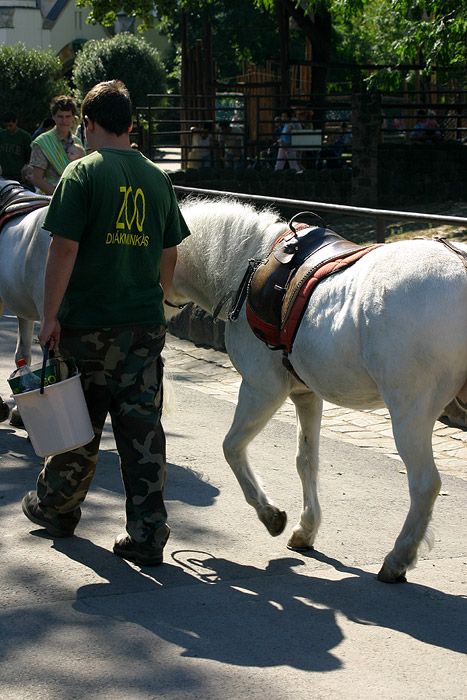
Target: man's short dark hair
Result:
[[10, 117], [63, 103], [109, 105]]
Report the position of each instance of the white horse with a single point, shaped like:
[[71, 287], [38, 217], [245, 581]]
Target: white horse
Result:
[[391, 329], [23, 253]]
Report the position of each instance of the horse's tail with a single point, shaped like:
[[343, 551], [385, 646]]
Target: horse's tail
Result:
[[170, 400]]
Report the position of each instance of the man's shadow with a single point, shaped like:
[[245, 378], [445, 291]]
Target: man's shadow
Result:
[[260, 617]]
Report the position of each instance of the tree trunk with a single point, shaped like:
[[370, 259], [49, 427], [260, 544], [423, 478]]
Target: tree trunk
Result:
[[317, 26]]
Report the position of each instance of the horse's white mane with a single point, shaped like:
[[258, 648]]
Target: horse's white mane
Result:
[[230, 219], [226, 233]]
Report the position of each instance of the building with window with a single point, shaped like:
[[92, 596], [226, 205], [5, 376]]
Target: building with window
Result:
[[58, 25]]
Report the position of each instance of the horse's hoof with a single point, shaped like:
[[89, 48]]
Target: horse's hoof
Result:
[[274, 519], [15, 419], [4, 411], [387, 576], [308, 548], [298, 543]]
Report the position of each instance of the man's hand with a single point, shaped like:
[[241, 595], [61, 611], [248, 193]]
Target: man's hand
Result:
[[50, 331]]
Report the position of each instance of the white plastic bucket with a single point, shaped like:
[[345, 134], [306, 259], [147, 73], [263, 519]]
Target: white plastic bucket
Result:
[[57, 420]]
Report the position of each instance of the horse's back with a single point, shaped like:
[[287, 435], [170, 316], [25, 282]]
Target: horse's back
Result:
[[23, 253], [397, 316]]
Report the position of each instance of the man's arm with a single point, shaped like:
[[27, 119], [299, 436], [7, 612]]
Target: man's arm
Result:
[[59, 266], [40, 182], [168, 260]]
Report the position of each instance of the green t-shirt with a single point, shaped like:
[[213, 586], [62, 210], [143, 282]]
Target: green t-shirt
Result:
[[15, 150], [122, 210]]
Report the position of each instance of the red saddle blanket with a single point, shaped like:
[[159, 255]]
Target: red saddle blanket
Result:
[[280, 286]]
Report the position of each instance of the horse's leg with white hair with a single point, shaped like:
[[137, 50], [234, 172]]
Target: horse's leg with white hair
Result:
[[24, 342], [255, 408], [413, 436], [309, 409]]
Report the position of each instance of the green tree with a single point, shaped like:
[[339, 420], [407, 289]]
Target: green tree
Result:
[[123, 57], [29, 78], [241, 31], [432, 32]]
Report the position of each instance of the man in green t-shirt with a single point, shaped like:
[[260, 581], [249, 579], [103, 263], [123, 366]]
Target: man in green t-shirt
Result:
[[115, 225], [15, 147]]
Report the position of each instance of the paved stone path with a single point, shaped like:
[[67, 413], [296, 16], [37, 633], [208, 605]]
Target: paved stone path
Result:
[[211, 371]]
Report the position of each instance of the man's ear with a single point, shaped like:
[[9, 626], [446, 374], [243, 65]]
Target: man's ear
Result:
[[131, 128]]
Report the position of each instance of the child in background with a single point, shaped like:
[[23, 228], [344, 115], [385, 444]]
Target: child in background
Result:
[[75, 152]]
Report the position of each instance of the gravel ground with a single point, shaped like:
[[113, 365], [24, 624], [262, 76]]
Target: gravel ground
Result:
[[363, 230]]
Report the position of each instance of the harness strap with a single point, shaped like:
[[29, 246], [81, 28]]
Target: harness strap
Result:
[[175, 306], [460, 253], [228, 295], [243, 290]]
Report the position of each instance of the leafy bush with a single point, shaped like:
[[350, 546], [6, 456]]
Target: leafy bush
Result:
[[29, 78], [123, 57]]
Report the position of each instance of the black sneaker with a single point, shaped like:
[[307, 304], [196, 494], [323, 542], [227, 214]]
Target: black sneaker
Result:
[[141, 554], [31, 511]]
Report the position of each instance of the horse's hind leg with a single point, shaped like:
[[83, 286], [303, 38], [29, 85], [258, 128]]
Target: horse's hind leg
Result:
[[254, 409], [309, 409], [24, 342], [413, 435]]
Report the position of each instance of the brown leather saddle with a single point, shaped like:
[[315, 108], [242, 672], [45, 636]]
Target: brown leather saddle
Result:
[[279, 287], [16, 200]]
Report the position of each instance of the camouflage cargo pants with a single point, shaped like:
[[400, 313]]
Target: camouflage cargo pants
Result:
[[121, 372]]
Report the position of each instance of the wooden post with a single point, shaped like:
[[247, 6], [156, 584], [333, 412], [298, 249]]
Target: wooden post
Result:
[[366, 134], [184, 84], [283, 20]]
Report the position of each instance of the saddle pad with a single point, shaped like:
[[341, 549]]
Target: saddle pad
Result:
[[280, 287], [21, 211], [11, 192], [283, 266]]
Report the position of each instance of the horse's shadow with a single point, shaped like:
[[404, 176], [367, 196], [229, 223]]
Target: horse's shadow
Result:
[[264, 618]]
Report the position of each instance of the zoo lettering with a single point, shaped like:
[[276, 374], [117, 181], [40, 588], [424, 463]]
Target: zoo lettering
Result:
[[129, 216]]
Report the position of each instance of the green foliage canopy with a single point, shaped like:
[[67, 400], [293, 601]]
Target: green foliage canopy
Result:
[[430, 32], [240, 31], [123, 57], [29, 79]]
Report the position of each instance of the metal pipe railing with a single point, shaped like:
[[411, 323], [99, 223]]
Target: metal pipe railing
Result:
[[379, 214]]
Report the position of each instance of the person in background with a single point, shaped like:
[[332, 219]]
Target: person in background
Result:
[[75, 152], [418, 132], [269, 157], [26, 177], [45, 125], [231, 145], [115, 226], [15, 147], [49, 151], [200, 154], [432, 127], [331, 155], [285, 152]]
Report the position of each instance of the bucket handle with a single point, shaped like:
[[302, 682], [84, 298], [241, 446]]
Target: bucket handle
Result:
[[44, 363]]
